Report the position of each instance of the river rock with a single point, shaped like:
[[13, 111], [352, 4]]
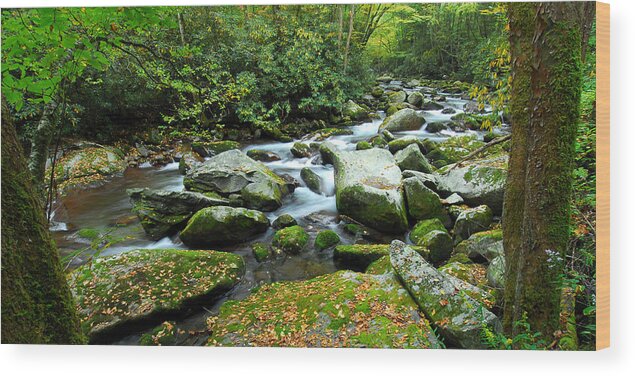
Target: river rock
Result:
[[354, 111], [403, 120], [431, 106], [328, 151], [411, 158], [122, 291], [471, 221], [368, 189], [88, 166], [301, 150], [312, 180], [223, 225], [291, 240], [435, 127], [431, 234], [326, 239], [209, 149], [285, 220], [484, 245], [359, 256], [429, 180], [401, 143], [164, 213], [415, 98], [342, 309], [397, 96], [233, 172], [479, 182], [422, 202], [458, 317], [263, 155], [453, 199]]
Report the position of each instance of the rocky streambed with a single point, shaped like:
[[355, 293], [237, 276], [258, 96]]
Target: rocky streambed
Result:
[[368, 235]]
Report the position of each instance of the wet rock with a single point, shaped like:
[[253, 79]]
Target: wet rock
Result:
[[164, 213], [323, 134], [285, 220], [212, 148], [291, 240], [397, 96], [448, 111], [261, 251], [387, 135], [377, 92], [301, 150], [363, 145], [139, 287], [326, 239], [312, 180], [328, 150], [431, 106], [401, 143], [471, 221], [458, 317], [317, 313], [223, 225], [263, 155], [403, 120], [354, 111], [436, 127], [368, 190], [411, 158], [234, 172], [415, 98], [484, 245]]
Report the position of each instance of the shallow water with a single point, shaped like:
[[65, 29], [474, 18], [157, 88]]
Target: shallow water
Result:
[[108, 209]]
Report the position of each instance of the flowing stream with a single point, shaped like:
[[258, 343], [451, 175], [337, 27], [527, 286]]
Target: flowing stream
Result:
[[108, 210]]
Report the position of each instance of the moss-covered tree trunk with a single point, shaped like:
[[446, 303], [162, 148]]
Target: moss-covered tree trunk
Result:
[[545, 49], [37, 306]]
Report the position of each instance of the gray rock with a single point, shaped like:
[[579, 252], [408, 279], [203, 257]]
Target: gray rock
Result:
[[472, 221], [458, 317], [368, 189], [431, 106], [301, 150], [485, 245], [422, 202], [285, 220], [415, 98], [263, 155], [429, 180], [496, 272], [328, 151], [397, 96], [387, 135], [164, 213], [453, 199], [354, 111], [435, 127], [480, 182], [403, 120], [411, 158], [234, 172], [223, 225], [312, 180]]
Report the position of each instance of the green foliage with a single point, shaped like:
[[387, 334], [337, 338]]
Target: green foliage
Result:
[[526, 339]]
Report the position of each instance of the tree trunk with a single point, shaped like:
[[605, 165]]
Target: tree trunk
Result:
[[37, 306], [341, 25], [179, 17], [350, 34], [545, 109]]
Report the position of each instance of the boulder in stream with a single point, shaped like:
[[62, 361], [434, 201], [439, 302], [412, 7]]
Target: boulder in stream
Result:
[[132, 289], [164, 213], [291, 239], [233, 172], [354, 111], [423, 202], [312, 180], [411, 158], [342, 309], [368, 189], [403, 120], [359, 256], [458, 317], [223, 225], [263, 155]]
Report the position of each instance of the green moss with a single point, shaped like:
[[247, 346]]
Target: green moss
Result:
[[323, 134], [380, 266], [353, 229], [88, 233], [359, 256], [290, 239], [261, 251], [424, 227], [326, 239], [162, 335], [115, 291], [342, 309], [363, 145]]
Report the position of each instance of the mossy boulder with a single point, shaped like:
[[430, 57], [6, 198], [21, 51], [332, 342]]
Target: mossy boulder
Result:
[[465, 121], [439, 243], [263, 155], [422, 202], [458, 317], [139, 287], [233, 172], [425, 226], [378, 141], [212, 148], [326, 239], [436, 127], [261, 251], [415, 98], [368, 189], [285, 220], [301, 150], [323, 134], [164, 213], [411, 158], [474, 274], [471, 221], [291, 240], [401, 143], [354, 111], [312, 180], [89, 166], [377, 92], [328, 152], [484, 245], [342, 309], [480, 182], [380, 266], [403, 120], [223, 225], [431, 106], [363, 145], [359, 256], [397, 97]]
